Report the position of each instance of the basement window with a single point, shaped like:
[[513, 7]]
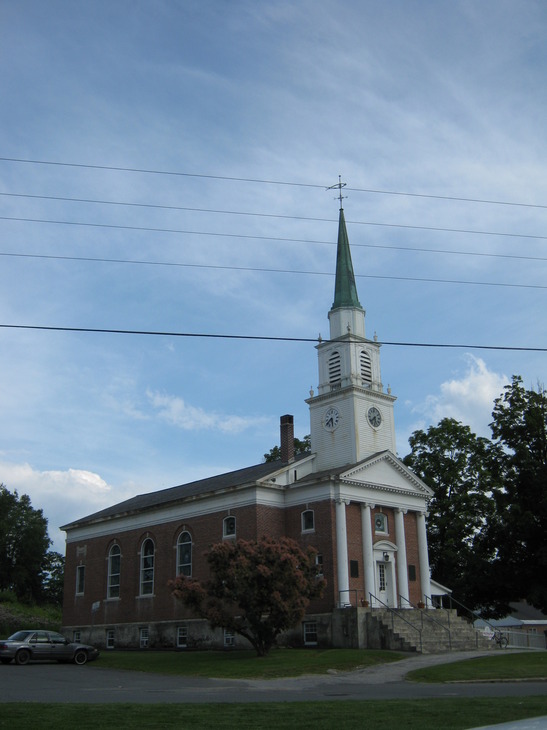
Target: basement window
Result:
[[110, 638], [182, 637], [310, 633]]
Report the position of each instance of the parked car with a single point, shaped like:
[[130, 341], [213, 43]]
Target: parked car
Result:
[[35, 644]]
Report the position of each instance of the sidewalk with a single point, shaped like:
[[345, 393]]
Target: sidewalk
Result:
[[379, 674]]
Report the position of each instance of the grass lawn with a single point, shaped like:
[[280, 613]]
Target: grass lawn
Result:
[[296, 662], [501, 665], [450, 714], [245, 664]]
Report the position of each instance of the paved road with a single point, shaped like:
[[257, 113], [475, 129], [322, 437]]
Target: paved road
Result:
[[91, 683]]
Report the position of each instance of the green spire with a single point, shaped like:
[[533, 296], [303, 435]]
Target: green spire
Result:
[[345, 290]]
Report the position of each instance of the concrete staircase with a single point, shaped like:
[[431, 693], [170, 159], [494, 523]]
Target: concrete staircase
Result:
[[426, 631]]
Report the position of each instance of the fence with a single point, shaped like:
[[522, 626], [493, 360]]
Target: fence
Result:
[[520, 639]]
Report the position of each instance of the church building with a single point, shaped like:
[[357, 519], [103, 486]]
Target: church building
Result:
[[350, 498]]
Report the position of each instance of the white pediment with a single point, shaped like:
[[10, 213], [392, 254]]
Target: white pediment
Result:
[[385, 472]]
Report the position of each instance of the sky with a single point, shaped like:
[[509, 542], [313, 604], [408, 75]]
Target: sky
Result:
[[164, 168]]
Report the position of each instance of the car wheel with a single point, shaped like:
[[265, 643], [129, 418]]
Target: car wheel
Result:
[[80, 657], [22, 657]]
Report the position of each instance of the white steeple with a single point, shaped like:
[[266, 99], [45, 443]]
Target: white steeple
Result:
[[351, 417]]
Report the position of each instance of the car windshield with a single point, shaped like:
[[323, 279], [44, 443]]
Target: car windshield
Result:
[[20, 635]]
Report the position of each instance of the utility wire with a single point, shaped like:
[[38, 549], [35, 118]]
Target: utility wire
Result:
[[275, 271], [269, 182], [273, 238], [411, 249], [260, 337], [436, 229]]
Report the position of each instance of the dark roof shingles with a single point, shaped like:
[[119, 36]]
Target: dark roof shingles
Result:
[[151, 500]]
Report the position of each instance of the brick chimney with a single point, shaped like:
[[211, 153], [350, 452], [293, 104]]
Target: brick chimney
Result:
[[287, 438]]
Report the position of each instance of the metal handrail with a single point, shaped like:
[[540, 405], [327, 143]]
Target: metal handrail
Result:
[[395, 613], [348, 591], [429, 617], [472, 613]]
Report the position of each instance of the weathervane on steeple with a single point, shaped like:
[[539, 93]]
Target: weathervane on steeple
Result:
[[339, 185]]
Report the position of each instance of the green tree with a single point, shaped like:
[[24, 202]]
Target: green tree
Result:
[[519, 532], [256, 589], [300, 447], [24, 544], [462, 469], [53, 582]]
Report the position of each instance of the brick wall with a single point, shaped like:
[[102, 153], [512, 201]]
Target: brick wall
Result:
[[252, 522]]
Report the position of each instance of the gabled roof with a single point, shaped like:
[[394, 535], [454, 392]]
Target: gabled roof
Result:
[[388, 472], [222, 482], [524, 611], [382, 471]]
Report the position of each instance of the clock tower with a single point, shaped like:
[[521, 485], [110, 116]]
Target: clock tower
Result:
[[351, 418]]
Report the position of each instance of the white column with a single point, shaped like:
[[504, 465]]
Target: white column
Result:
[[423, 556], [368, 549], [402, 572], [342, 553]]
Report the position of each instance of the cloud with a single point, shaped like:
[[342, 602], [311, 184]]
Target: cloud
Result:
[[61, 495], [469, 398], [177, 412]]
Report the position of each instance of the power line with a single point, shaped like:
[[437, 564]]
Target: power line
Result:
[[436, 229], [411, 249], [269, 182], [260, 337], [273, 271]]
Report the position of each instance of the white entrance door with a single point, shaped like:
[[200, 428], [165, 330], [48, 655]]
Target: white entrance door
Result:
[[384, 582]]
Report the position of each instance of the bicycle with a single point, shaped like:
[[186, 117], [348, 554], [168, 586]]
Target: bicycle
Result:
[[500, 639]]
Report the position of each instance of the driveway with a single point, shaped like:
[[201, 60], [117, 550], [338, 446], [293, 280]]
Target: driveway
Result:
[[68, 683]]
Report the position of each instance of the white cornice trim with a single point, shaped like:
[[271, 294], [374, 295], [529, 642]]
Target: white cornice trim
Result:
[[397, 464], [358, 389]]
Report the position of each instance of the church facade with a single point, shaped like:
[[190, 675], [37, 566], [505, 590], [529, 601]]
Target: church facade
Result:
[[350, 498]]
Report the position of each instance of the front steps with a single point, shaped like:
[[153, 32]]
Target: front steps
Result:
[[430, 631]]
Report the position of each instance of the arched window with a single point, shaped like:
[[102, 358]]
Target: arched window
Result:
[[114, 569], [335, 372], [366, 368], [229, 527], [308, 521], [147, 568], [184, 554]]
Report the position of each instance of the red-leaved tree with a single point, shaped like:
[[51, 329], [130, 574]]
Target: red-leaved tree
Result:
[[256, 588]]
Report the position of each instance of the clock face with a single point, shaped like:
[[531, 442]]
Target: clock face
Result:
[[374, 417], [331, 419]]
